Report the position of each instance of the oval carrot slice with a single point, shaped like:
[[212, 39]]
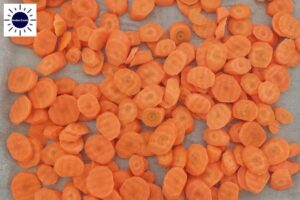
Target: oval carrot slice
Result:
[[216, 137], [137, 165], [135, 188], [255, 160], [43, 94], [21, 79], [151, 32], [52, 63], [20, 110], [90, 8], [283, 116], [276, 150], [278, 75], [150, 96], [68, 165], [197, 160], [197, 103], [196, 188], [268, 92], [140, 9], [127, 81], [252, 134], [201, 77], [24, 185], [19, 147], [180, 32], [175, 63], [100, 182], [153, 117], [88, 105], [218, 116], [174, 182], [238, 46], [245, 110], [108, 125]]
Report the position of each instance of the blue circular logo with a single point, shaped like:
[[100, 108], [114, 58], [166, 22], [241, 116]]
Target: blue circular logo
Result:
[[20, 20]]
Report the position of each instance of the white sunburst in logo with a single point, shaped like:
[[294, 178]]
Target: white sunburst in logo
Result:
[[19, 20]]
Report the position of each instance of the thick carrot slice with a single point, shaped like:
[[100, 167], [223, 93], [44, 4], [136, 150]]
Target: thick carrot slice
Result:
[[135, 188], [129, 144], [44, 43], [19, 147], [252, 134], [100, 182], [90, 9], [52, 63], [196, 188], [174, 182], [278, 75], [180, 32], [24, 185], [228, 191], [68, 165], [137, 165], [151, 32], [60, 25], [255, 160], [268, 92], [277, 150], [117, 48], [46, 174], [238, 46], [118, 7], [218, 116], [281, 180], [108, 125], [20, 110], [256, 183], [221, 28], [197, 160], [140, 9], [283, 116], [64, 110], [163, 138]]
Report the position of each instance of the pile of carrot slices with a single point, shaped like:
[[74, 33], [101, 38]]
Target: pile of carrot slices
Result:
[[231, 81]]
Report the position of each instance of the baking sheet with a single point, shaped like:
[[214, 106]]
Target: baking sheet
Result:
[[12, 55]]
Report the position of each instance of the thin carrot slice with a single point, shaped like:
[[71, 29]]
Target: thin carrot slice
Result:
[[196, 188], [37, 116], [174, 182], [21, 79], [152, 117], [45, 193], [228, 191], [90, 8], [276, 150], [137, 165], [24, 185], [44, 43], [109, 22], [36, 147], [110, 91], [100, 182], [278, 75], [180, 32], [24, 41], [175, 63], [218, 116], [268, 92], [221, 28], [86, 88], [210, 5], [286, 53], [71, 192], [46, 174], [151, 32], [277, 5], [118, 7], [197, 160], [190, 51], [45, 19], [19, 147], [261, 55], [240, 27], [20, 110], [238, 46], [108, 125], [283, 116], [127, 81], [281, 180], [263, 33], [252, 134], [205, 29], [216, 137], [293, 167], [245, 110], [51, 63], [51, 153], [98, 39], [68, 165], [140, 9], [64, 110], [216, 56], [150, 96], [201, 77], [212, 175], [255, 160], [256, 183], [135, 188], [238, 66], [164, 47], [240, 11]]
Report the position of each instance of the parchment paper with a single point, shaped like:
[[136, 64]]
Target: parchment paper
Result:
[[12, 55]]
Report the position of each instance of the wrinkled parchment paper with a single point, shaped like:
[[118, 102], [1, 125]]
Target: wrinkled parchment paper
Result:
[[12, 55]]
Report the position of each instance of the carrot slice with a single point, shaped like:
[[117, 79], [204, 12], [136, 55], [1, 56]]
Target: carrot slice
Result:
[[100, 182], [238, 46], [218, 116], [140, 9], [283, 116], [245, 110], [19, 147], [71, 192], [46, 174], [175, 62], [228, 190], [108, 125], [129, 144], [164, 47], [20, 110], [152, 117], [216, 137], [252, 134], [137, 165], [45, 193], [268, 92], [293, 167], [44, 43], [127, 81], [206, 28], [261, 55], [90, 9], [255, 160], [68, 165], [197, 160], [60, 25], [174, 182], [228, 163], [238, 66], [210, 5], [294, 149], [118, 7], [216, 56], [155, 191], [276, 150], [240, 11], [135, 188], [86, 88], [277, 5], [24, 185], [45, 19], [36, 147], [109, 22], [64, 110], [52, 63], [88, 105], [180, 32], [150, 96], [281, 180], [151, 32], [196, 188]]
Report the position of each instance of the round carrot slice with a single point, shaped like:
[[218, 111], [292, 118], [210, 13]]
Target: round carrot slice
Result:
[[197, 160], [20, 110], [175, 63], [174, 182], [201, 77], [240, 11], [135, 188], [100, 182], [278, 75], [180, 32], [197, 103], [245, 110], [127, 81], [196, 188], [218, 116], [261, 54], [44, 43], [88, 105], [238, 66], [277, 150], [51, 153], [68, 165], [43, 94], [268, 92], [252, 134], [71, 192], [250, 83], [216, 137], [238, 46], [150, 96], [24, 185], [226, 89], [210, 5], [152, 117], [19, 147], [216, 56], [255, 160], [64, 110], [99, 149], [163, 138], [21, 79], [90, 8], [151, 73], [108, 125]]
